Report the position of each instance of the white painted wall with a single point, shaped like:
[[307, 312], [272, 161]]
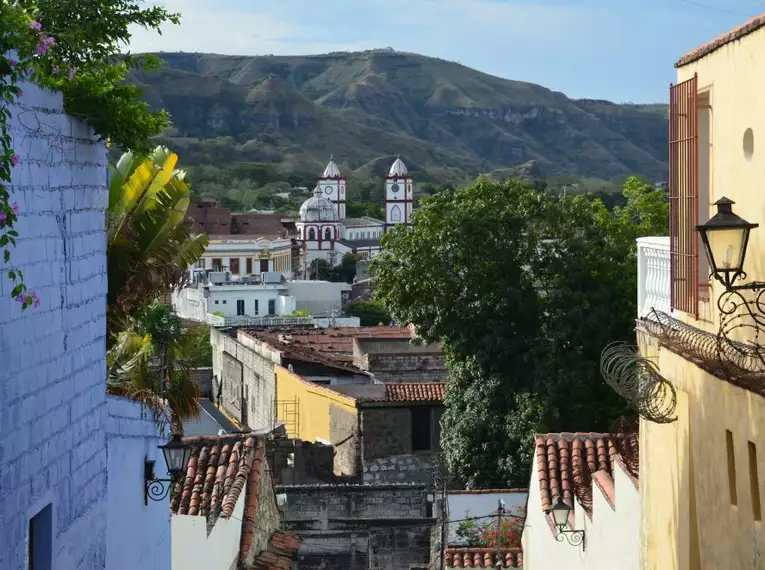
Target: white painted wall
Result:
[[52, 358], [137, 535], [612, 537], [193, 549], [278, 252], [319, 298], [224, 299]]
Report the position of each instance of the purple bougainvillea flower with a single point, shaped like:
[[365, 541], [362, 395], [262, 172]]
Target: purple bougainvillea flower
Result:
[[22, 298], [35, 300], [35, 26], [12, 62], [72, 71], [20, 94], [41, 48], [15, 209], [54, 71], [15, 159], [3, 217], [50, 41]]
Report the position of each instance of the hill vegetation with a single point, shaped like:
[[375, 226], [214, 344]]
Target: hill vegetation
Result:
[[254, 126]]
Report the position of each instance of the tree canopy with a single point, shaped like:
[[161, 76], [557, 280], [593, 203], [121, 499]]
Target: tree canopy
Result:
[[525, 289]]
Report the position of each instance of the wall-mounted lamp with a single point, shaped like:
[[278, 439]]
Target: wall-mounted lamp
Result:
[[177, 455], [725, 237], [560, 512]]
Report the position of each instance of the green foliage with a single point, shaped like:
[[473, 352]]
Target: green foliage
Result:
[[370, 313], [525, 289], [355, 209], [319, 270], [482, 533], [151, 362], [150, 243], [346, 271], [300, 313], [200, 349]]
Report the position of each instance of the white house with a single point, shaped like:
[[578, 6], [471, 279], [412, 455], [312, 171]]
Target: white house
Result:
[[246, 255], [597, 478], [224, 512], [53, 407]]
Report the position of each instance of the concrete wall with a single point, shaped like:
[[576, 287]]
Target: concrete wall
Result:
[[224, 299], [398, 360], [194, 549], [313, 406], [319, 298], [355, 527], [387, 431], [612, 538], [344, 434], [203, 379], [52, 378], [190, 303], [257, 376], [137, 535]]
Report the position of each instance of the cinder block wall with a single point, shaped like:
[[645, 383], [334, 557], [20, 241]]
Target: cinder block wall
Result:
[[52, 359]]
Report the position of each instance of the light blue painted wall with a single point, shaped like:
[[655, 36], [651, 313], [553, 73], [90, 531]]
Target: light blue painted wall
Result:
[[137, 535], [53, 408]]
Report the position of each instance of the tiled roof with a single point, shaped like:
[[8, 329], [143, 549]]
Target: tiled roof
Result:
[[483, 558], [566, 463], [218, 471], [415, 392], [282, 549], [735, 34], [486, 491]]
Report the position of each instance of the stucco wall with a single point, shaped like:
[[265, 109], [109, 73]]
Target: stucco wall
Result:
[[611, 536], [137, 535], [313, 404], [194, 549], [689, 521], [344, 433], [52, 377], [319, 298], [257, 374]]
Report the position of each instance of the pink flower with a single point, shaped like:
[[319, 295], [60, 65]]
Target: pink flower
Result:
[[35, 26], [15, 209], [41, 48], [22, 298], [15, 159], [50, 41], [3, 217], [35, 300]]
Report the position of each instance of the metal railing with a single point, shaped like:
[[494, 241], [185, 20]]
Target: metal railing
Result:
[[267, 322]]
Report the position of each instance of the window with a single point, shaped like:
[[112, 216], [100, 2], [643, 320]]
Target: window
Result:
[[327, 233], [234, 265], [263, 265], [249, 266], [731, 468], [311, 234], [687, 177], [422, 429], [256, 308], [272, 306], [201, 263], [395, 214], [754, 482], [240, 307], [224, 301], [41, 540], [216, 301], [217, 263]]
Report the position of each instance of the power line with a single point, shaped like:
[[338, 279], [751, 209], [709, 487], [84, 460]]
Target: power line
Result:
[[716, 8]]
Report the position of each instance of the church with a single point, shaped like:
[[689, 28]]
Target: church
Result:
[[323, 229]]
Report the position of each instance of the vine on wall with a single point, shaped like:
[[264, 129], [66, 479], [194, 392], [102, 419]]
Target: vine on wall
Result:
[[72, 46]]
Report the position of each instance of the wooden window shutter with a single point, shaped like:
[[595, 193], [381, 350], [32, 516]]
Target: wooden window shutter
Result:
[[684, 195]]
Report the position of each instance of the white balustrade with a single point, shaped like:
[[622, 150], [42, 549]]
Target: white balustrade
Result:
[[654, 281]]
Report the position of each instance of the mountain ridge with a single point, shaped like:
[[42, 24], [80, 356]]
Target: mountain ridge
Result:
[[453, 121]]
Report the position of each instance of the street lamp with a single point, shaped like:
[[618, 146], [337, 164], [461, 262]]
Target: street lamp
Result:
[[177, 455], [560, 512], [725, 237]]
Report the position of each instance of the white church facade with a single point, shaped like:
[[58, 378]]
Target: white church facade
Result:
[[325, 232]]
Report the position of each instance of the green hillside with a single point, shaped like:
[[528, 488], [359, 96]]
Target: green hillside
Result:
[[448, 121]]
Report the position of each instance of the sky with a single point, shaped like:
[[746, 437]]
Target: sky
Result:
[[619, 50]]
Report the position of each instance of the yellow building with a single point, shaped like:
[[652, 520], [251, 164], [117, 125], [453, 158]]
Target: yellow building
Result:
[[700, 397]]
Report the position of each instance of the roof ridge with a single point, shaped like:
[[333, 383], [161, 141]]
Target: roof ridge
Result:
[[737, 33]]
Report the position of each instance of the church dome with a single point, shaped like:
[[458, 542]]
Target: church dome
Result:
[[398, 169], [331, 171], [318, 209]]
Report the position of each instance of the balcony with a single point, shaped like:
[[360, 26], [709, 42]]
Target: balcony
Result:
[[653, 275]]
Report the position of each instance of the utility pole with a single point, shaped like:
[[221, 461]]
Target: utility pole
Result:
[[500, 509], [442, 553]]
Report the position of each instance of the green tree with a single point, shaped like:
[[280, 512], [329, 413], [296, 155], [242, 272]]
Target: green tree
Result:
[[150, 243], [346, 271], [151, 363], [525, 289], [370, 313], [319, 270]]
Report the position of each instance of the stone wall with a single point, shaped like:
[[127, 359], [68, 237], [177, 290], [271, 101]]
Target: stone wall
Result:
[[267, 514], [52, 372], [355, 527], [398, 360], [344, 435], [257, 377], [386, 432], [203, 379], [410, 468]]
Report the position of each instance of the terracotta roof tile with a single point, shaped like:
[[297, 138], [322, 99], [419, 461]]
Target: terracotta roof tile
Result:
[[735, 34], [415, 392], [483, 558], [566, 463], [219, 469]]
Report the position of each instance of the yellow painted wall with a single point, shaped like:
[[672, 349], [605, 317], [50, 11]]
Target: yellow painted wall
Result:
[[687, 519], [732, 77], [313, 404]]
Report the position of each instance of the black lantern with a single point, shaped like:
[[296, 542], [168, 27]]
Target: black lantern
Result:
[[725, 237], [177, 455], [560, 512]]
